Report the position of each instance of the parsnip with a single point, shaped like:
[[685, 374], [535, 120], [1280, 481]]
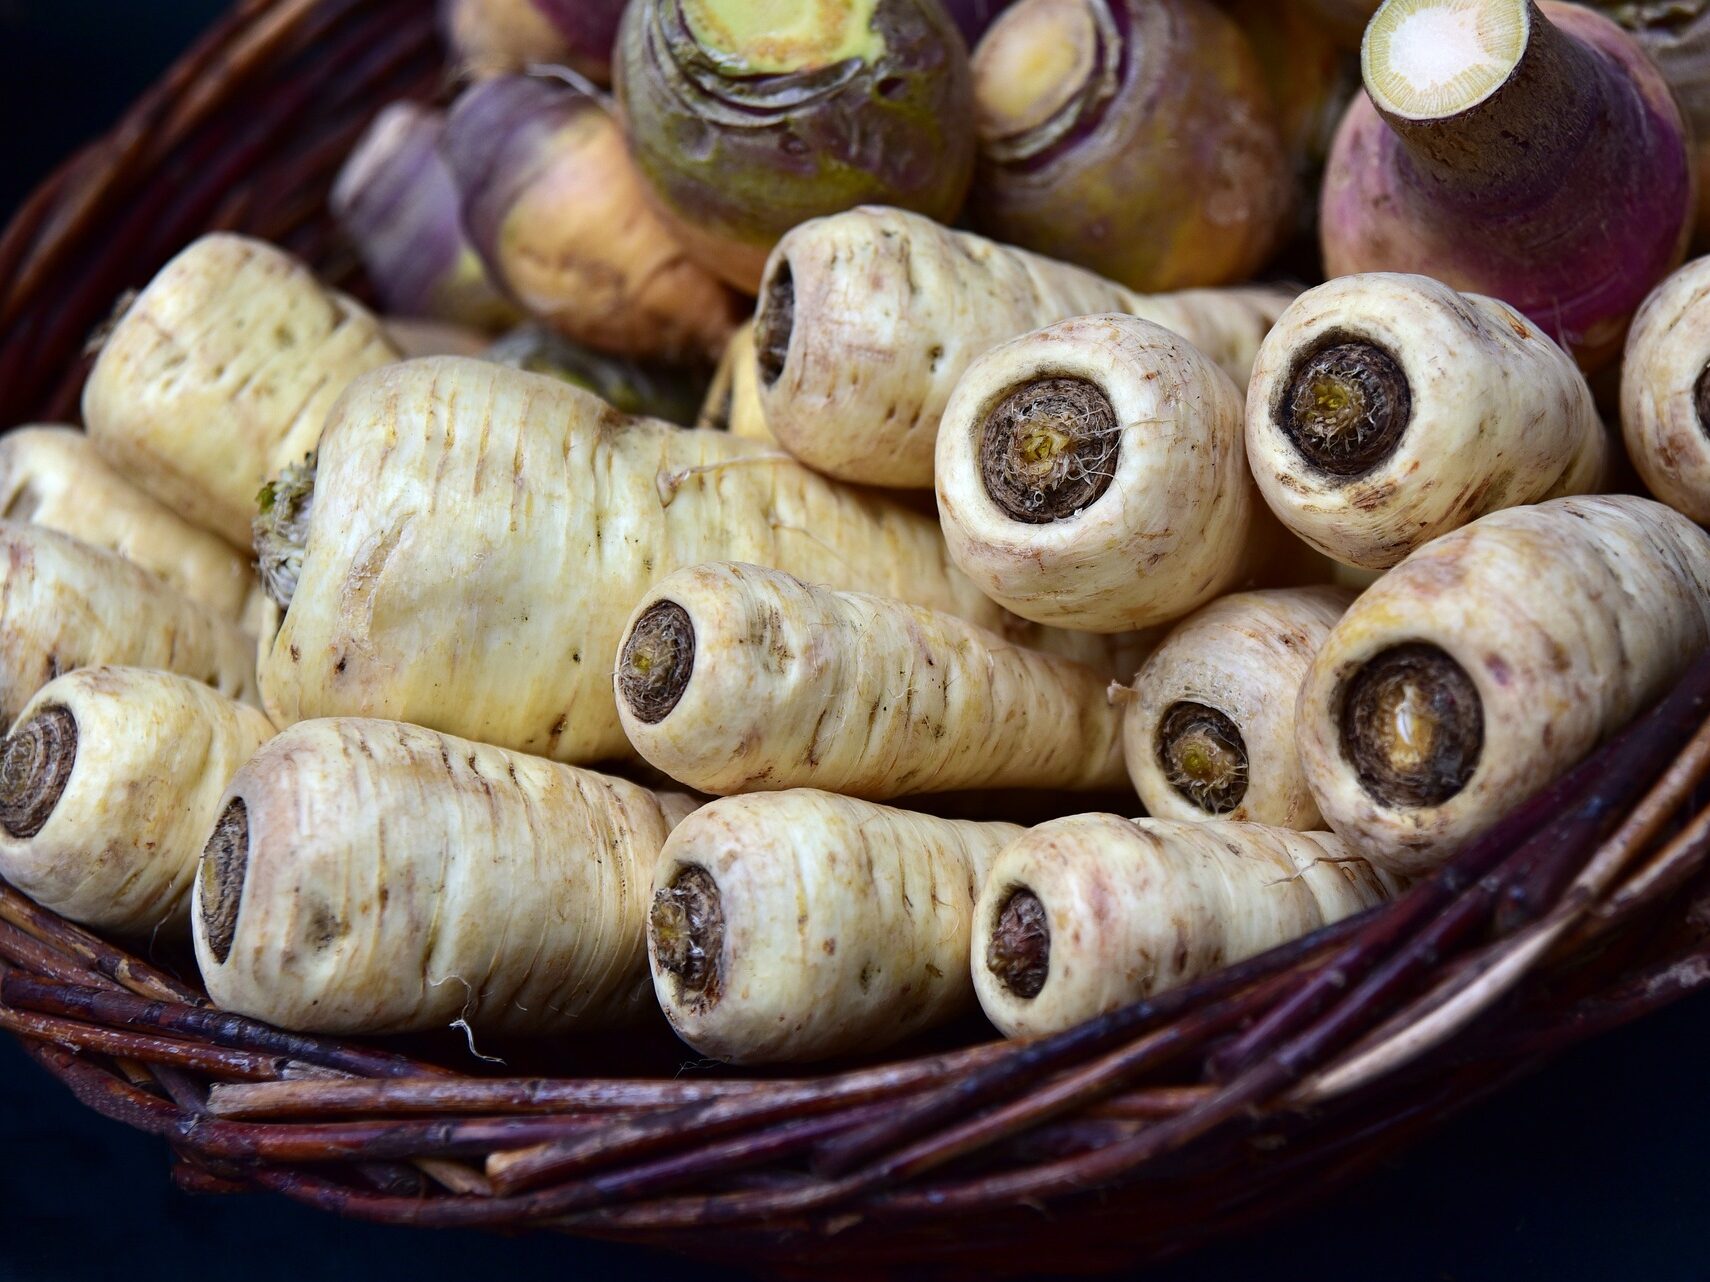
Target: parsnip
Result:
[[733, 399], [54, 477], [1492, 659], [66, 605], [1208, 728], [368, 876], [480, 535], [734, 678], [1087, 914], [222, 372], [801, 925], [109, 783], [1665, 391], [867, 320], [1388, 409]]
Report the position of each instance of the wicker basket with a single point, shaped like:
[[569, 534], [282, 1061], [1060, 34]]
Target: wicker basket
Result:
[[1135, 1136]]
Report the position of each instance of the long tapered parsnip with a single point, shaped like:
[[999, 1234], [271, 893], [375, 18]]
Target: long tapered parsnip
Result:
[[1665, 391], [735, 678], [109, 782], [1082, 915], [1387, 409], [222, 372], [1489, 661], [54, 476], [369, 876], [801, 925], [479, 536], [733, 398], [66, 605], [1208, 727], [867, 319]]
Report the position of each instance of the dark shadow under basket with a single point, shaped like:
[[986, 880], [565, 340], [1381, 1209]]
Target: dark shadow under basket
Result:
[[1135, 1136]]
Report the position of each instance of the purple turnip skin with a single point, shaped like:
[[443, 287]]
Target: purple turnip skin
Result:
[[1566, 191]]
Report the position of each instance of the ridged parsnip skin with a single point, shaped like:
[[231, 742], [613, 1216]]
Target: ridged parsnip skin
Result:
[[733, 399], [1568, 617], [222, 372], [846, 924], [1500, 416], [55, 477], [890, 309], [1172, 530], [1668, 350], [481, 534], [66, 605], [1245, 657], [799, 686], [155, 751], [398, 879], [1138, 906]]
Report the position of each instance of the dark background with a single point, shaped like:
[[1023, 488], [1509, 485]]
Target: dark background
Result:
[[1596, 1168]]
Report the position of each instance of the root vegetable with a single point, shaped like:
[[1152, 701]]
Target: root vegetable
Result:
[[56, 478], [1208, 731], [414, 337], [222, 372], [671, 392], [733, 400], [791, 926], [1345, 19], [749, 119], [1665, 391], [366, 876], [734, 678], [1134, 137], [496, 37], [66, 605], [972, 17], [109, 783], [1492, 659], [1494, 127], [1087, 914], [1386, 410], [1310, 77], [920, 303]]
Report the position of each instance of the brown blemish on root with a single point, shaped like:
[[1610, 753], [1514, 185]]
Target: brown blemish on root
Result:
[[225, 863], [1202, 754], [657, 661], [1048, 448], [774, 323], [1412, 726], [686, 927], [1701, 400], [1019, 951], [1347, 406], [35, 766]]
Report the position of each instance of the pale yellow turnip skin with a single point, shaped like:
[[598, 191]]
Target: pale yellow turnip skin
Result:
[[1668, 349], [1244, 656], [1568, 617], [846, 923], [1500, 416], [480, 535], [54, 477], [154, 753], [1138, 906], [799, 686], [891, 309], [1172, 530], [221, 373], [66, 605], [399, 879]]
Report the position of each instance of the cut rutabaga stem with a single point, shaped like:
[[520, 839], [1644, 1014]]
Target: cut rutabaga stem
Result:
[[1387, 409], [1493, 127], [1135, 137], [1492, 659], [734, 678], [920, 303], [367, 876], [1665, 391], [109, 782], [495, 37], [66, 605], [1083, 915], [733, 400], [1208, 728], [55, 477], [1092, 475], [222, 372], [800, 925]]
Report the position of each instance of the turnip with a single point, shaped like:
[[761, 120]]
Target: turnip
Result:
[[1492, 659], [802, 925], [1665, 391], [494, 37], [1310, 77], [1387, 409], [919, 304]]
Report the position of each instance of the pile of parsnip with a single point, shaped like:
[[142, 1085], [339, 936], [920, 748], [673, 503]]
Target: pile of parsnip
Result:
[[422, 668]]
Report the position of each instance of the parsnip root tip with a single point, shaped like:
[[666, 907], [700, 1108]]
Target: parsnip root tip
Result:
[[1048, 449], [1346, 406], [775, 322], [1412, 726], [225, 862], [35, 765], [1019, 951], [657, 661], [686, 923], [1202, 754]]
